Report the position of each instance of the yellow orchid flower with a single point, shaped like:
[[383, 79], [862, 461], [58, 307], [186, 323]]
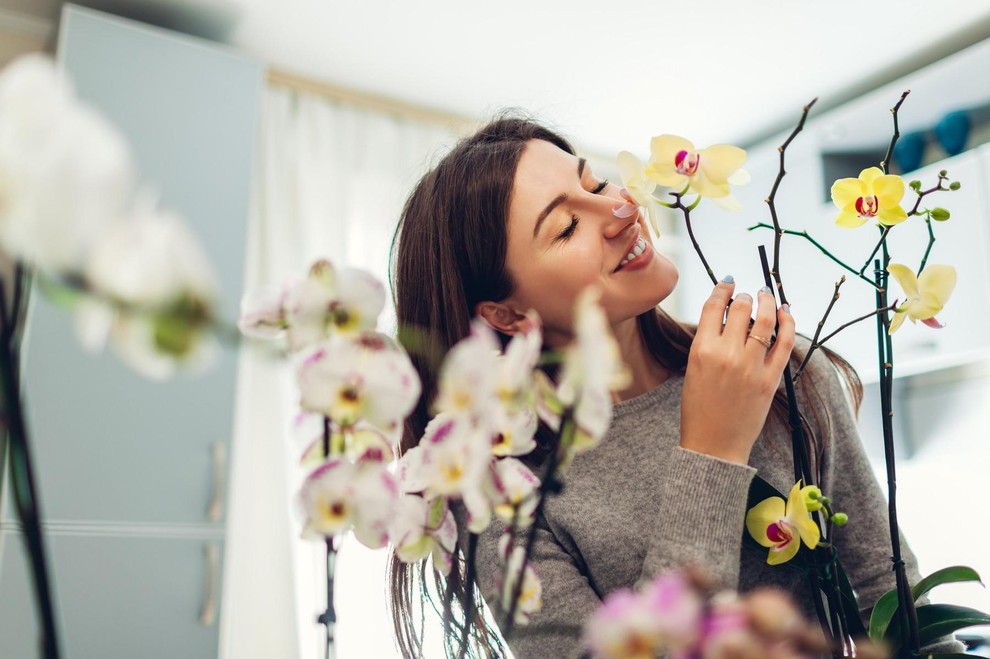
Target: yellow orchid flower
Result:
[[872, 195], [782, 527], [926, 293], [637, 190], [675, 163]]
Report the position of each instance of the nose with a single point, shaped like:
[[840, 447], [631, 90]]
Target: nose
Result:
[[611, 224]]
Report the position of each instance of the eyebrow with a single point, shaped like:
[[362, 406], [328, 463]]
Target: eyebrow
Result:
[[558, 200]]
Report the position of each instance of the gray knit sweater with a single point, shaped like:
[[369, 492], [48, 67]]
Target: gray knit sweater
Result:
[[639, 504]]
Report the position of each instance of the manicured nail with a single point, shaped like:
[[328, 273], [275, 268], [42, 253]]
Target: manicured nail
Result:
[[766, 289], [728, 279], [744, 297], [786, 308]]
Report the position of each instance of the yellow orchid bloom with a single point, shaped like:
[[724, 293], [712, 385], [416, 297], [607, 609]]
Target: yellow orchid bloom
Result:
[[872, 195], [675, 163], [926, 293], [637, 189], [782, 527]]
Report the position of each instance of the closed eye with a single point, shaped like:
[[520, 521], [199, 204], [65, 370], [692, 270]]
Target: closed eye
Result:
[[568, 231], [601, 186]]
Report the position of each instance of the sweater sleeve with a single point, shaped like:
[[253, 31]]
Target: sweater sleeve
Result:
[[568, 598], [700, 516]]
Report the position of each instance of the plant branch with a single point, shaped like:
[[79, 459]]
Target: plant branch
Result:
[[819, 344], [771, 201], [548, 485], [821, 248], [931, 242], [470, 559], [821, 324], [885, 163], [686, 210]]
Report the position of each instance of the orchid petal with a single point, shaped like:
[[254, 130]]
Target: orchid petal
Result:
[[896, 321], [906, 278], [761, 516], [846, 191]]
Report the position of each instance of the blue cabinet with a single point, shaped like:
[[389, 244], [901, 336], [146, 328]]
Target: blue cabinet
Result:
[[133, 473]]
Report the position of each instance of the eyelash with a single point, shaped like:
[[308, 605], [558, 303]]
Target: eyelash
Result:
[[569, 231]]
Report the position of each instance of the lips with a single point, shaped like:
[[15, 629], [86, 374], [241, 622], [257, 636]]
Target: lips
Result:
[[635, 249]]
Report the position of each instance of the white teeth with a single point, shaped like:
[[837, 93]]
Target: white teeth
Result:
[[638, 249]]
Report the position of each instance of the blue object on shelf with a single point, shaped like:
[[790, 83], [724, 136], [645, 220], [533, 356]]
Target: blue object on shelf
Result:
[[909, 151], [952, 131]]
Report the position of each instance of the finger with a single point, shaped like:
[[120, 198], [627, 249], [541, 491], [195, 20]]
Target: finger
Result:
[[737, 319], [713, 312], [763, 326], [781, 352]]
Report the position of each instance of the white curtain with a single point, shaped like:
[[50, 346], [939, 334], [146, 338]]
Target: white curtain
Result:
[[331, 180]]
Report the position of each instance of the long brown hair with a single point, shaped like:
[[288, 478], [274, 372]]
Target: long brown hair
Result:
[[448, 255]]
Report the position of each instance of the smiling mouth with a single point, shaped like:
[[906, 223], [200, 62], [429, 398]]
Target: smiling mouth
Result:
[[637, 249]]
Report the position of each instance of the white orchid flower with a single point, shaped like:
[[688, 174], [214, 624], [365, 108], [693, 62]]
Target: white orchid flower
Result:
[[514, 488], [530, 595], [468, 376], [155, 294], [422, 529], [361, 378], [339, 496], [65, 173]]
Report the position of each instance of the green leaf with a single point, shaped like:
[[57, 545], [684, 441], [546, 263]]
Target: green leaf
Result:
[[883, 612], [937, 620], [850, 606], [954, 574], [886, 607]]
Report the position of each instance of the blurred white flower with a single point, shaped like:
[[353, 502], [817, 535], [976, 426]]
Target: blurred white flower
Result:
[[339, 496], [468, 376], [154, 295], [65, 173], [422, 529], [514, 492], [366, 377], [530, 594]]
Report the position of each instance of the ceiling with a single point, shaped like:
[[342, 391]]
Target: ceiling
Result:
[[609, 76]]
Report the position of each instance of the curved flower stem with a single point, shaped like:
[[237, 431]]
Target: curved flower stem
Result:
[[472, 551], [819, 344], [549, 484], [931, 242], [885, 163], [906, 608], [23, 485], [686, 210], [883, 236], [771, 201], [821, 324], [821, 248]]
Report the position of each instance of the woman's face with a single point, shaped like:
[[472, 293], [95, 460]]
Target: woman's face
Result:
[[563, 237]]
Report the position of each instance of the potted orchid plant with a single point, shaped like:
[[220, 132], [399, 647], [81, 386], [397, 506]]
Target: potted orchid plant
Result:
[[797, 527]]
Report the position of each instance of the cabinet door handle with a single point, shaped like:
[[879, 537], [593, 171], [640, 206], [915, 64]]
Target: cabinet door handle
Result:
[[215, 511], [208, 614]]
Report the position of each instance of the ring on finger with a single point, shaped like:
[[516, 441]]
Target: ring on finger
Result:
[[765, 341]]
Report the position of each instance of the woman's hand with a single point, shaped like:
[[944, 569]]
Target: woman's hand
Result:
[[731, 376]]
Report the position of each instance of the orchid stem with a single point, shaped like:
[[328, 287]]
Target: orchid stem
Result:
[[883, 236], [771, 201], [821, 324], [23, 484], [821, 248], [679, 204], [885, 163], [928, 250], [472, 551], [906, 608], [548, 484]]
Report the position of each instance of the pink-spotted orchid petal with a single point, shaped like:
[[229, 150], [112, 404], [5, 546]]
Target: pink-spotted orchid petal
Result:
[[711, 173], [263, 313], [514, 432], [376, 493], [357, 302], [926, 294], [327, 499], [469, 374], [782, 527], [872, 196], [530, 595], [514, 487]]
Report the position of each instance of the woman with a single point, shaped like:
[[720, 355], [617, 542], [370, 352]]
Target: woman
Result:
[[513, 220]]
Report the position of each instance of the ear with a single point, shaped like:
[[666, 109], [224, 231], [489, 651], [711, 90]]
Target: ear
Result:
[[502, 317]]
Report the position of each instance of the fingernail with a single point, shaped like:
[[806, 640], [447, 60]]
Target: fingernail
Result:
[[786, 308], [766, 289], [728, 279], [744, 297]]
